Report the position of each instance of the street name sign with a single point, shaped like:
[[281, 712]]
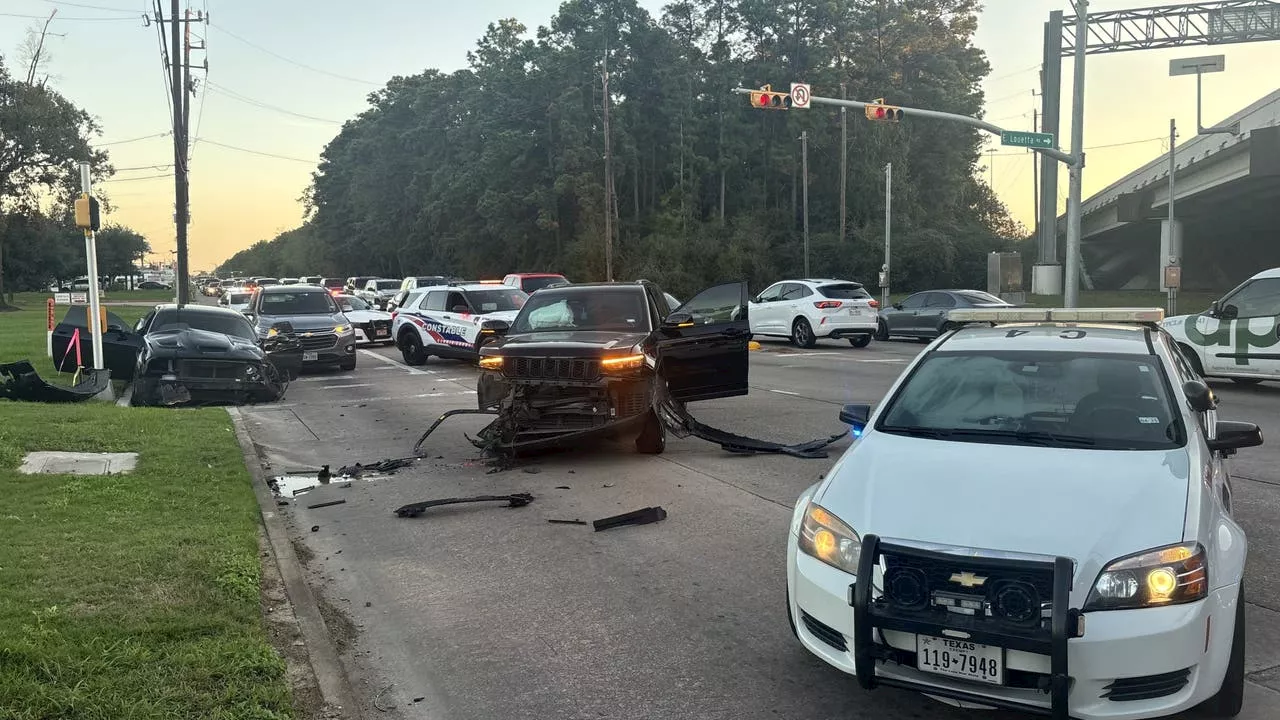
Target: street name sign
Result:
[[1018, 138]]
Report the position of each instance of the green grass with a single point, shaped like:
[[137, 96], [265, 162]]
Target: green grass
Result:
[[130, 596]]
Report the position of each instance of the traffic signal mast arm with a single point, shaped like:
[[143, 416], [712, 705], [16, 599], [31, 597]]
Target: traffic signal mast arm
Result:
[[963, 119]]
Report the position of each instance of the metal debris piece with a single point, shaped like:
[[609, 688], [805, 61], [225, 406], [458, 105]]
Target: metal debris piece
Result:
[[566, 522], [326, 504], [416, 509], [315, 528], [643, 516], [388, 465], [324, 475], [563, 487], [22, 382]]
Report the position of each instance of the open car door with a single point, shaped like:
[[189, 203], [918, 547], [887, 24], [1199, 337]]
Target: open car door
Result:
[[120, 343], [702, 346]]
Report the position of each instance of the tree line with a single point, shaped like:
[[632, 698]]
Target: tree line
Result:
[[43, 137], [499, 166]]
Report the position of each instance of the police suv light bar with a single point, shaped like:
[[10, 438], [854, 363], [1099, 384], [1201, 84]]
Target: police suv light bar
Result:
[[1022, 315]]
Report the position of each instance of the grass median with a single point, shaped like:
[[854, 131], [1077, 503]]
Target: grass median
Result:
[[129, 596]]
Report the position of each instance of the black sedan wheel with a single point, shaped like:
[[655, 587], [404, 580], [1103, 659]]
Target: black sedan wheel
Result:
[[882, 330], [860, 341]]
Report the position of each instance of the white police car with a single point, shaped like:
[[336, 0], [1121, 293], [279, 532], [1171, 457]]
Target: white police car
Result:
[[1038, 518], [449, 321]]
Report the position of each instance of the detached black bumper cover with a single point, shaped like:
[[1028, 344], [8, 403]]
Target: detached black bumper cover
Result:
[[870, 613], [22, 382]]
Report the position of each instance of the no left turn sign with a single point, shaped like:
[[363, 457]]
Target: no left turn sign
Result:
[[799, 95]]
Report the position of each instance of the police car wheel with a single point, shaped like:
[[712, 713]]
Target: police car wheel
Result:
[[1229, 699], [412, 350]]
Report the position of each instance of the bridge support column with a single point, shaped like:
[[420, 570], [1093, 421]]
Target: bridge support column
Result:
[[1046, 280], [1170, 247]]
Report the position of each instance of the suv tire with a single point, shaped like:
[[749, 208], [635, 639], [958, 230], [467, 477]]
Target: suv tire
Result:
[[411, 348], [802, 334], [652, 439]]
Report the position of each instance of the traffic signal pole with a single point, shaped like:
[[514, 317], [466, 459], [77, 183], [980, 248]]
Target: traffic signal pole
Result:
[[935, 114]]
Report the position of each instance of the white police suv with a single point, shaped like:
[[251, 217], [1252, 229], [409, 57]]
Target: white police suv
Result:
[[1038, 518], [452, 321]]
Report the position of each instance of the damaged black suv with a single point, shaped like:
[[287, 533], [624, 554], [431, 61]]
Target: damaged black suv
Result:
[[603, 358]]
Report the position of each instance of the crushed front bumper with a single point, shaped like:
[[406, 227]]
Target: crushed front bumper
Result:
[[533, 414]]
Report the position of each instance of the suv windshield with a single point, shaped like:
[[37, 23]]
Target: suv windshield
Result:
[[388, 285], [238, 298], [302, 302], [597, 309], [351, 303], [504, 300], [1078, 400], [844, 291], [531, 284], [218, 322]]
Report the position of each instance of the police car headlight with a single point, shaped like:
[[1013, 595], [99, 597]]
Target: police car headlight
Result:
[[829, 539], [1163, 576]]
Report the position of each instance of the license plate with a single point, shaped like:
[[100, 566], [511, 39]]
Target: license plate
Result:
[[855, 311], [380, 332], [960, 658], [310, 356]]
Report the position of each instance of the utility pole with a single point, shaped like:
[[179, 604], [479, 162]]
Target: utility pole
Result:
[[179, 153], [844, 163], [1071, 284], [804, 170], [888, 222], [991, 169], [608, 171], [1035, 170]]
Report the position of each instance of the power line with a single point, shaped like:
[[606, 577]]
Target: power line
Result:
[[71, 19], [121, 142], [255, 152], [1091, 147], [1010, 96], [278, 56], [1015, 73], [145, 167], [131, 179], [266, 106], [91, 7]]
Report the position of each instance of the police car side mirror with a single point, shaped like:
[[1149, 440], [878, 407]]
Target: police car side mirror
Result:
[[1232, 435], [1199, 396], [855, 415]]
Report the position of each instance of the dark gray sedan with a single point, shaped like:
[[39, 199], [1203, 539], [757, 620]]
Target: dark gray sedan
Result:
[[924, 314]]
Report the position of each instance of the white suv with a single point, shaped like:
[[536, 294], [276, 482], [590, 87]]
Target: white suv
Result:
[[1038, 517], [1237, 336], [806, 310], [449, 321]]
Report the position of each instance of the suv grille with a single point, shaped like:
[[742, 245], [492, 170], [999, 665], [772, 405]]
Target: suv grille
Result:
[[319, 342], [553, 368]]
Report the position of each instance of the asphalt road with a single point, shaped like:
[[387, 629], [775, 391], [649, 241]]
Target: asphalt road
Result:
[[482, 611]]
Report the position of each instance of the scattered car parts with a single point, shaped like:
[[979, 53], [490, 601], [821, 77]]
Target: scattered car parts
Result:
[[22, 382], [416, 509], [388, 465], [643, 516]]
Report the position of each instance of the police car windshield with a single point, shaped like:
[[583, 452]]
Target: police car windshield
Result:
[[1077, 400], [351, 303], [503, 300], [617, 310]]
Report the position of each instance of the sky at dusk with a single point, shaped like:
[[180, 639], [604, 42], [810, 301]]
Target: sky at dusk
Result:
[[264, 117]]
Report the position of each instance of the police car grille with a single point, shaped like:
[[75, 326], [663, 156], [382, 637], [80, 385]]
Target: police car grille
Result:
[[553, 368], [1013, 595]]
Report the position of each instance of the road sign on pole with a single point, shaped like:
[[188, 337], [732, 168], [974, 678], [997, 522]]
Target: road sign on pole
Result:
[[1017, 138], [799, 95]]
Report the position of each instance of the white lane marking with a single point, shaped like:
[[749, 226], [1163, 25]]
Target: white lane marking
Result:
[[322, 378], [335, 387], [393, 363], [782, 392]]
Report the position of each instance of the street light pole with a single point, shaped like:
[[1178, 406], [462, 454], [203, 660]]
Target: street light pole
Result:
[[1175, 249], [1071, 283], [888, 222], [804, 170]]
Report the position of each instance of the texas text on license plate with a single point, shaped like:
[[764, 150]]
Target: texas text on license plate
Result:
[[960, 658], [310, 356]]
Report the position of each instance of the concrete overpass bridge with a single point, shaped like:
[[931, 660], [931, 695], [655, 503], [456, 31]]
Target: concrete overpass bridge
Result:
[[1226, 205]]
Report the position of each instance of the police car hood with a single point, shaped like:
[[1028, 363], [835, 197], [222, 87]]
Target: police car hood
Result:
[[1089, 505], [360, 317]]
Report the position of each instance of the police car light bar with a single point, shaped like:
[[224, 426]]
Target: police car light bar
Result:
[[1016, 315]]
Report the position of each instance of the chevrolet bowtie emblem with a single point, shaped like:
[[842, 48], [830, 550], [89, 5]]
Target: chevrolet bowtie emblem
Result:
[[967, 579]]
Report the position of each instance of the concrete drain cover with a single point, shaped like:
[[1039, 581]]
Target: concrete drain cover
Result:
[[77, 463]]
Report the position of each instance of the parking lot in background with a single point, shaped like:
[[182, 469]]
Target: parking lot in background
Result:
[[485, 611]]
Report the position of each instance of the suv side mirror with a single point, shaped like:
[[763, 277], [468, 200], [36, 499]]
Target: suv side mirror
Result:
[[1215, 308], [495, 327], [1228, 312], [1232, 435], [250, 316], [677, 320], [1199, 396], [897, 306], [855, 415]]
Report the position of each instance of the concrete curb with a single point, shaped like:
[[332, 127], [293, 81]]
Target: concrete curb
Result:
[[331, 677]]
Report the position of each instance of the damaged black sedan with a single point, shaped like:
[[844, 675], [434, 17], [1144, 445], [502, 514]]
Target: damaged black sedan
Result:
[[194, 354], [605, 359]]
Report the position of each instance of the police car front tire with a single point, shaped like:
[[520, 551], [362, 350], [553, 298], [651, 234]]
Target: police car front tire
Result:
[[1229, 699], [412, 350]]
